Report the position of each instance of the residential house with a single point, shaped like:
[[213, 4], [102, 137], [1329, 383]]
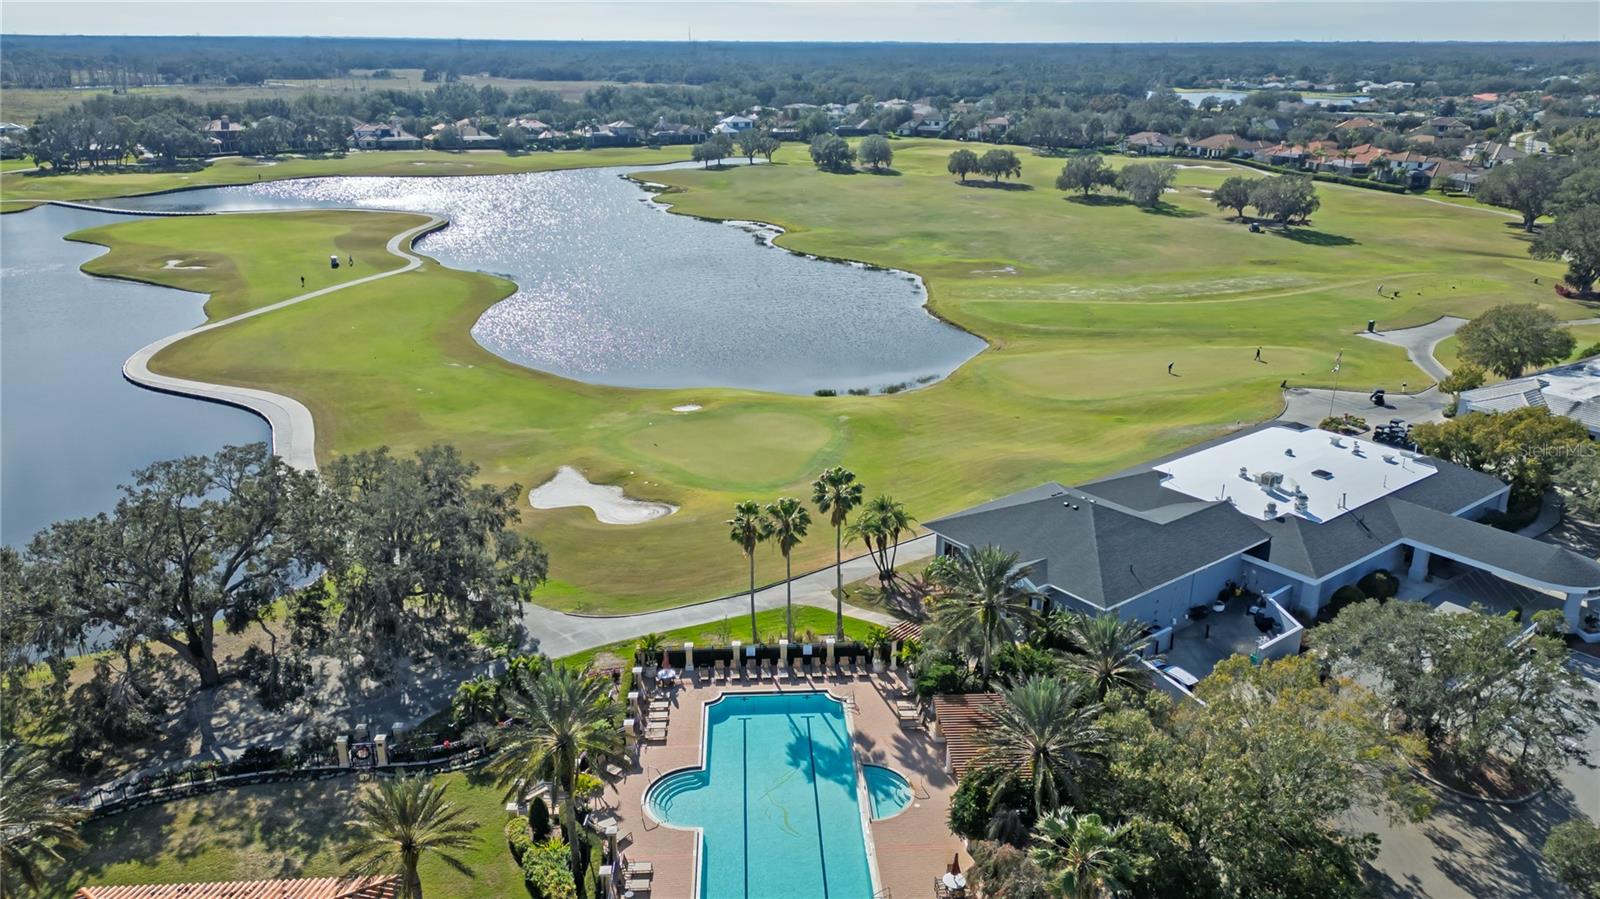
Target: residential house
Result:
[[225, 135], [1222, 146], [859, 129], [382, 136], [734, 124], [1443, 126], [625, 130], [1357, 160], [991, 128], [472, 137], [1286, 512], [924, 125], [1457, 175], [1357, 123], [1571, 390], [665, 132], [1150, 143], [1491, 153]]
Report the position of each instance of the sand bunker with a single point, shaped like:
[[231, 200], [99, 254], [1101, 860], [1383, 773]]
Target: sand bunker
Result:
[[1209, 168], [178, 264], [687, 407], [570, 488]]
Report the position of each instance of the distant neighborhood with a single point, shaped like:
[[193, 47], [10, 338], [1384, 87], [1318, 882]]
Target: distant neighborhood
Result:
[[1397, 134]]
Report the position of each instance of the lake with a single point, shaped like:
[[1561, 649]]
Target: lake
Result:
[[72, 428], [614, 290], [1195, 95], [611, 289]]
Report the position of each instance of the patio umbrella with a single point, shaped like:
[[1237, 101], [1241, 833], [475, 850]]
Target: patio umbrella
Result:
[[955, 864]]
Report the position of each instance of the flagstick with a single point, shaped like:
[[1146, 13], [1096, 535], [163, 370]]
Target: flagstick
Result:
[[1332, 396]]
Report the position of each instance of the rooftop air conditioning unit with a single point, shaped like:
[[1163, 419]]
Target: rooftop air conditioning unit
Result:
[[1269, 480], [1302, 503], [1336, 441], [1244, 473], [1271, 511]]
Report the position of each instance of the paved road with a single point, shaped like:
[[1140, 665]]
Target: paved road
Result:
[[559, 633], [1310, 406], [294, 436], [1420, 342]]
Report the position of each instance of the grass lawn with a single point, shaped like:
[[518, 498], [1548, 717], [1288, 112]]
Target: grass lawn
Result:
[[810, 624], [1083, 305], [9, 165], [20, 191], [276, 830]]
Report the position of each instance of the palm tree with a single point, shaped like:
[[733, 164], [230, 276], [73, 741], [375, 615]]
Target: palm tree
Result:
[[879, 526], [34, 825], [787, 523], [564, 718], [835, 492], [1045, 728], [1106, 652], [400, 821], [747, 528], [1081, 855], [984, 598], [477, 700]]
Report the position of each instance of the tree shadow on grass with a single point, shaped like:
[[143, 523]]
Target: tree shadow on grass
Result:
[[886, 172], [998, 185], [1098, 200], [1170, 211], [1314, 238]]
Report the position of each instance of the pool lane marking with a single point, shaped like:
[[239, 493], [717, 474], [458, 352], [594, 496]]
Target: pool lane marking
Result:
[[816, 802], [744, 757]]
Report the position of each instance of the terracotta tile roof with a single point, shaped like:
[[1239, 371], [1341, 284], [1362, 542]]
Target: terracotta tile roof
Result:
[[376, 887], [961, 718], [906, 630]]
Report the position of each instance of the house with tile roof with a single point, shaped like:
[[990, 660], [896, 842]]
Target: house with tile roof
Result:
[[1150, 143], [1286, 512], [1222, 146]]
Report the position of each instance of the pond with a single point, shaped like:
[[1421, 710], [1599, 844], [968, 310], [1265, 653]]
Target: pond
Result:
[[613, 290], [72, 428], [1193, 96]]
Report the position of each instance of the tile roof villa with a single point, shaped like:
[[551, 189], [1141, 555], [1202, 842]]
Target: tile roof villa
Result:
[[1288, 512]]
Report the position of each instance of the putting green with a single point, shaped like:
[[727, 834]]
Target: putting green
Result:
[[1083, 306]]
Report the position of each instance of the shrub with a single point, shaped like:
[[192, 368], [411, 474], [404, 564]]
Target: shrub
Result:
[[539, 819], [1573, 850], [1344, 424], [519, 837], [825, 391], [545, 868], [1592, 349], [1349, 594], [942, 677], [1379, 584], [981, 793]]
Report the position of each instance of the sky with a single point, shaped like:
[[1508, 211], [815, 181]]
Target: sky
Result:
[[755, 20]]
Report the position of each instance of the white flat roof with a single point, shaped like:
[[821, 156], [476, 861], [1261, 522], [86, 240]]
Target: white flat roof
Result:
[[1262, 472]]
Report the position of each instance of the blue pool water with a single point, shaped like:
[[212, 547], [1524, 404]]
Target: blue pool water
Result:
[[890, 793], [776, 801]]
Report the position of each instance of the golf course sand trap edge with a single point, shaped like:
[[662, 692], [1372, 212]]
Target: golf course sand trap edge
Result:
[[570, 488]]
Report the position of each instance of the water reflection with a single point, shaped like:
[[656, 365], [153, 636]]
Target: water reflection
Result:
[[613, 290]]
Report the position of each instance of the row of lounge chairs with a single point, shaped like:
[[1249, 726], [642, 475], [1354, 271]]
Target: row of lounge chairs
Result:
[[766, 669]]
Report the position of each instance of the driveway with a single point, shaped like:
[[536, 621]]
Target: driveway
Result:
[[1310, 406], [1419, 342], [1476, 850]]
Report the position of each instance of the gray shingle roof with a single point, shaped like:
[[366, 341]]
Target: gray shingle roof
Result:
[[1116, 538]]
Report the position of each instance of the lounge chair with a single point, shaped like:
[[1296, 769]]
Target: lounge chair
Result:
[[718, 672], [637, 885], [748, 673], [640, 869], [702, 674], [656, 733]]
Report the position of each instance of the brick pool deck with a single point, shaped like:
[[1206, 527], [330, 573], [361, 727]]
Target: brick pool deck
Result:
[[913, 847]]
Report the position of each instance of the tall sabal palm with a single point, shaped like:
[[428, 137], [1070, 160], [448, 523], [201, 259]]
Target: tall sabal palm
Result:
[[34, 825], [835, 493], [476, 700], [1081, 856], [398, 823], [1047, 728], [983, 598], [563, 719], [748, 528], [1105, 650], [787, 523], [882, 522]]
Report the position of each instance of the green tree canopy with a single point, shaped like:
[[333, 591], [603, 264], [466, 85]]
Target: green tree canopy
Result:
[[1235, 193], [1573, 850], [831, 153], [1575, 239], [1530, 187], [1513, 338], [1086, 174], [1522, 447], [1145, 182], [999, 164], [398, 823], [962, 163], [876, 152]]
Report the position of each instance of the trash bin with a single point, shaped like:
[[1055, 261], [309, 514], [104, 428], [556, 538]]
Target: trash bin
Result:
[[1372, 325], [333, 262]]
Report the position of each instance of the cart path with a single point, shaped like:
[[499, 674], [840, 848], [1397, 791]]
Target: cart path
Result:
[[294, 434]]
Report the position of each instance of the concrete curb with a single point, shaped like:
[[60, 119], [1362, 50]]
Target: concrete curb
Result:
[[1473, 797]]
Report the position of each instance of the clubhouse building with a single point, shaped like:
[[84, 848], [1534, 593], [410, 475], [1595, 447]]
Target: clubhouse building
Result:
[[1287, 514]]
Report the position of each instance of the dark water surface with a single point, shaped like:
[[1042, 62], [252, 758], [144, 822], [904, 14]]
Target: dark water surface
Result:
[[71, 429]]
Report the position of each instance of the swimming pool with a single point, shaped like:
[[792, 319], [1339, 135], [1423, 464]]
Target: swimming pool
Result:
[[777, 802]]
